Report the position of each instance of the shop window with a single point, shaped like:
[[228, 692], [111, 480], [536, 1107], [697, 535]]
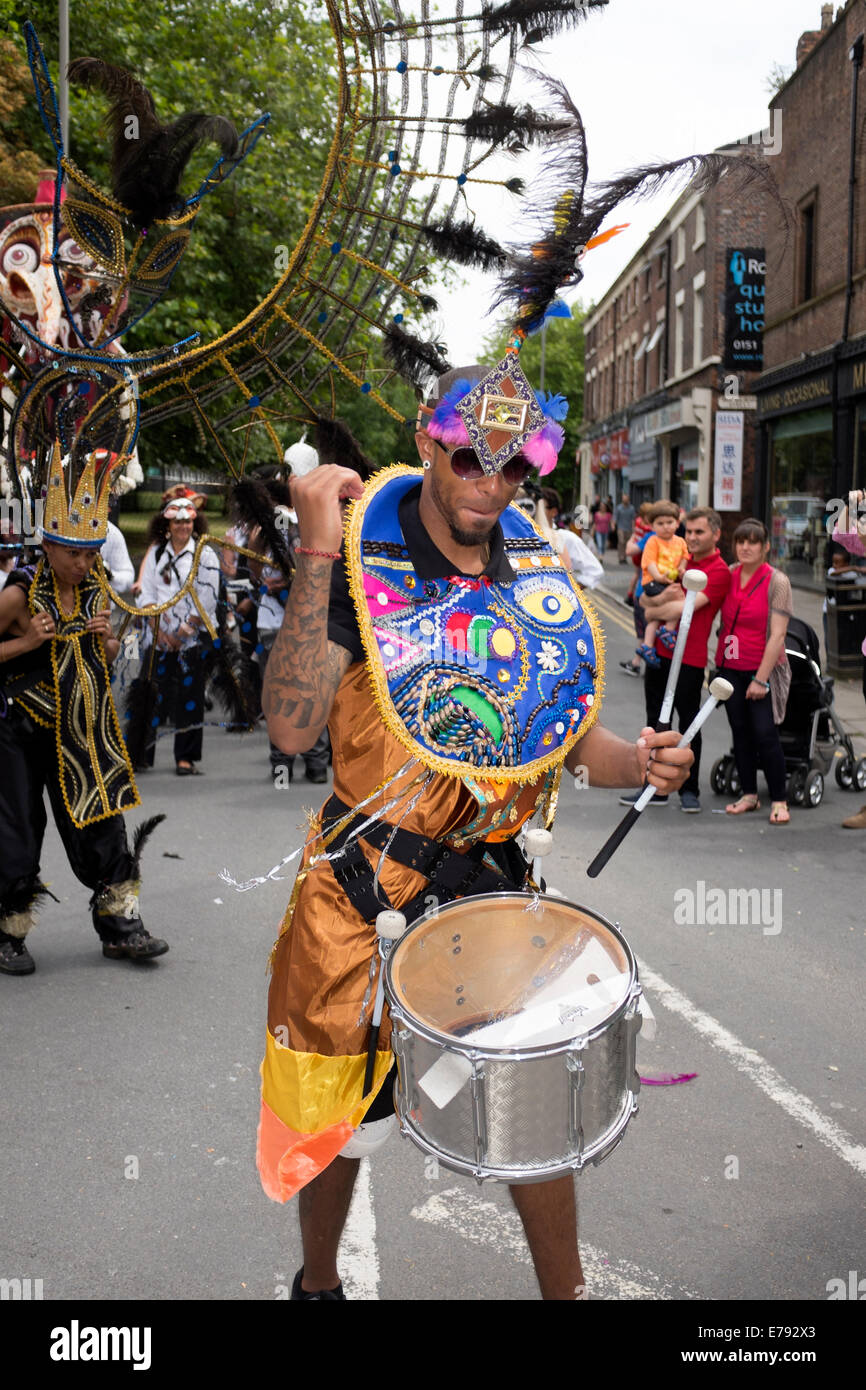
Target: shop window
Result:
[[698, 340], [801, 475], [679, 333], [807, 258], [700, 227]]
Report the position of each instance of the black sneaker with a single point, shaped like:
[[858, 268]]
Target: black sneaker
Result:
[[15, 959], [317, 775], [629, 798], [138, 945], [301, 1295], [629, 669]]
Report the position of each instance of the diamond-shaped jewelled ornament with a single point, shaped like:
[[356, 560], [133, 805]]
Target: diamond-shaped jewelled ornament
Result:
[[500, 413]]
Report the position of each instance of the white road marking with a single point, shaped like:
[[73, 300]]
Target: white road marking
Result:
[[752, 1065], [359, 1261], [487, 1223]]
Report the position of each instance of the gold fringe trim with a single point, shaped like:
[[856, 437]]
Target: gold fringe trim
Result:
[[525, 772]]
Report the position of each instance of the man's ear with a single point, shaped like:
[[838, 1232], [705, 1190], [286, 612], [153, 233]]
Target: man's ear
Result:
[[425, 446]]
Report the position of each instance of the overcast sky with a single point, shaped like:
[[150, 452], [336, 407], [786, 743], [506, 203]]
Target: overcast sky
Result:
[[653, 80]]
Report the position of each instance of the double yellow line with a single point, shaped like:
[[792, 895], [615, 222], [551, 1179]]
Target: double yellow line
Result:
[[611, 611]]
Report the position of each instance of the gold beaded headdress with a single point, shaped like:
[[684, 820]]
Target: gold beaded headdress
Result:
[[81, 519]]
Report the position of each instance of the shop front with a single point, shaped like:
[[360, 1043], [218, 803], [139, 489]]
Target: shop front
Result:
[[814, 454], [682, 429], [643, 463], [609, 455], [797, 418]]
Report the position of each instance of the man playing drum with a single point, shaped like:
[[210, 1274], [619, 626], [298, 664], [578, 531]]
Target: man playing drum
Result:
[[458, 669]]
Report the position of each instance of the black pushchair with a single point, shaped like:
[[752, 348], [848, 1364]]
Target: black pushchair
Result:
[[812, 736]]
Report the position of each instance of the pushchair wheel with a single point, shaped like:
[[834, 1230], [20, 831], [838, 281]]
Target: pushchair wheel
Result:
[[844, 772], [813, 791], [718, 776], [733, 785], [797, 786], [859, 779]]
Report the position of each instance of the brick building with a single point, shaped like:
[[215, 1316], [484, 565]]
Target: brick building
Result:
[[812, 394], [675, 341]]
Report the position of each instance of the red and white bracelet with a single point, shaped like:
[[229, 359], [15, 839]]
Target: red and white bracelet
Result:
[[323, 554]]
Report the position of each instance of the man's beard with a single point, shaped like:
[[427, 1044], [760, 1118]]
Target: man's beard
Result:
[[458, 536], [469, 538]]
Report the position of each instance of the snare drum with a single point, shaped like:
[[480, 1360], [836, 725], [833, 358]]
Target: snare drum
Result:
[[515, 1022]]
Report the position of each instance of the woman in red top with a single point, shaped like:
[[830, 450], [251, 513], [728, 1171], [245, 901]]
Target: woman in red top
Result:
[[754, 622], [601, 526]]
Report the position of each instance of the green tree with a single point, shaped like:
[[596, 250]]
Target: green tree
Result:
[[235, 60]]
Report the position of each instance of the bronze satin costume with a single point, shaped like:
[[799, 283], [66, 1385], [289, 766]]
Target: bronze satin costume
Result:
[[317, 1029], [462, 792]]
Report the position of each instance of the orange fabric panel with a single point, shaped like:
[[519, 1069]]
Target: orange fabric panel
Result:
[[287, 1160]]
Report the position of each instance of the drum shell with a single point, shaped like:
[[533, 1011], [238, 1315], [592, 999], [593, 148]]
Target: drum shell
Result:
[[523, 1115]]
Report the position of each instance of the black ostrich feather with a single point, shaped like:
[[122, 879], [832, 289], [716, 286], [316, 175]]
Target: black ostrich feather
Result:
[[415, 360], [232, 681], [335, 443], [534, 276], [537, 18], [24, 896], [521, 124], [149, 157], [140, 838], [255, 507], [464, 243]]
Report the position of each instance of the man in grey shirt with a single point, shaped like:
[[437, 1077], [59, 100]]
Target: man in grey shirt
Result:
[[623, 520]]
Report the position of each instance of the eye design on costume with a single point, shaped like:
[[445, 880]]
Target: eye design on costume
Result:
[[21, 256], [69, 250], [547, 601]]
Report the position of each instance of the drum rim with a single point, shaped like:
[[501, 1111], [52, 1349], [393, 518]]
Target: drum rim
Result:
[[400, 1012]]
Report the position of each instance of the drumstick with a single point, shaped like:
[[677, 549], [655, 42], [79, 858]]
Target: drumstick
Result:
[[389, 926], [720, 690], [694, 582]]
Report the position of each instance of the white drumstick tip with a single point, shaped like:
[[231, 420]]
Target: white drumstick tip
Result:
[[720, 689], [390, 924], [538, 843], [694, 581]]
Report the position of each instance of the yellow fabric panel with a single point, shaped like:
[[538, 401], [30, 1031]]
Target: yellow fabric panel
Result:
[[309, 1092]]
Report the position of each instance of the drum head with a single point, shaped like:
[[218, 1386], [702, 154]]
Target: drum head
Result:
[[508, 971]]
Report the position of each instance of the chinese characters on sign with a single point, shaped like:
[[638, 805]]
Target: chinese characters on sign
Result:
[[729, 461], [744, 309]]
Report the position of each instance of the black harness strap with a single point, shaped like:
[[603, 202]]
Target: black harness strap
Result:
[[450, 873]]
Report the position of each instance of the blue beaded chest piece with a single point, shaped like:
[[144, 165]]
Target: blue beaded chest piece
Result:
[[473, 675]]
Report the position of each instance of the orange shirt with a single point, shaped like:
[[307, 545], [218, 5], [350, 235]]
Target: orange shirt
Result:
[[665, 555]]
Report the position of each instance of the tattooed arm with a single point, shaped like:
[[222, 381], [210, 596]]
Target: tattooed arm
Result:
[[304, 668]]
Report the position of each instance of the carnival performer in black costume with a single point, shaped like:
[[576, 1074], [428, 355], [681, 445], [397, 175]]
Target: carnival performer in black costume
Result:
[[59, 731]]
